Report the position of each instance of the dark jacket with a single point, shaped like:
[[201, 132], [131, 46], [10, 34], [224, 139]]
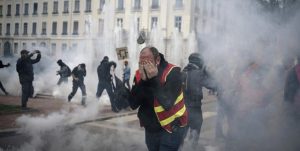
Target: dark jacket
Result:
[[80, 74], [143, 93], [25, 69], [103, 71], [64, 70], [194, 78]]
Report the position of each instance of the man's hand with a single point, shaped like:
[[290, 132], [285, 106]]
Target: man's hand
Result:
[[151, 69], [142, 71]]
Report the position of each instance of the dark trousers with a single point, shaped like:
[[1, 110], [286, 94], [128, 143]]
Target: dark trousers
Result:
[[109, 89], [195, 119], [27, 91], [2, 88], [164, 141], [76, 85], [126, 83], [62, 80]]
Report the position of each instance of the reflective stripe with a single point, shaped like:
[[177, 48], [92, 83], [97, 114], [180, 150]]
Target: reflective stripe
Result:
[[173, 117], [160, 108]]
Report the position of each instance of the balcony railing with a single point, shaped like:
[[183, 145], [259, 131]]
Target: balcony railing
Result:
[[137, 8]]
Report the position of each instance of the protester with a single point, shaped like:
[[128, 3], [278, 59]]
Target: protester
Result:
[[126, 74], [78, 74], [104, 78], [194, 77], [157, 93], [26, 76], [64, 72]]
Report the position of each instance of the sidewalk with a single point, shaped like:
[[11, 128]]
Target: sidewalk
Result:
[[41, 105]]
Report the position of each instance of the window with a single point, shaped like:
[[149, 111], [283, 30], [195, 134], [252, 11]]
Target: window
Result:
[[8, 10], [53, 48], [101, 27], [44, 28], [1, 9], [0, 29], [137, 4], [17, 9], [102, 2], [120, 22], [55, 7], [154, 22], [45, 8], [33, 29], [120, 4], [65, 28], [26, 8], [178, 4], [75, 28], [24, 45], [178, 22], [17, 28], [66, 7], [64, 47], [77, 6], [8, 29], [54, 28], [154, 4], [25, 29], [35, 8], [88, 5], [16, 47]]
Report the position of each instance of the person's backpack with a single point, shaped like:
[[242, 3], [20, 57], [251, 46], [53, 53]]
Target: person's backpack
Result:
[[191, 82]]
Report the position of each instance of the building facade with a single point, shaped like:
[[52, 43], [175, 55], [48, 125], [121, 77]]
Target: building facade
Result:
[[58, 25]]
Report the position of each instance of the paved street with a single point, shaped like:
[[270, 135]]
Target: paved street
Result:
[[108, 131]]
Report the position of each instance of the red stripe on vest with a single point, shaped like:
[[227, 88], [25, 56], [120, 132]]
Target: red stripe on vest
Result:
[[171, 112]]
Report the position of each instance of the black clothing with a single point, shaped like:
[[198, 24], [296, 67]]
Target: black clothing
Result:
[[27, 91], [76, 85], [104, 78], [25, 68], [80, 74], [194, 78], [64, 73], [143, 93], [103, 71], [120, 95], [26, 76], [1, 86]]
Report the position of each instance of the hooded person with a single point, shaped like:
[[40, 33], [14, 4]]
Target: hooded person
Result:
[[24, 68], [1, 86], [64, 72], [104, 78], [194, 78], [78, 74]]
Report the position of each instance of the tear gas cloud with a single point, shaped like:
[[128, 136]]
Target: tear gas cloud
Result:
[[245, 33]]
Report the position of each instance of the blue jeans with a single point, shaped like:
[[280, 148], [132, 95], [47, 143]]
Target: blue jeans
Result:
[[164, 141]]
